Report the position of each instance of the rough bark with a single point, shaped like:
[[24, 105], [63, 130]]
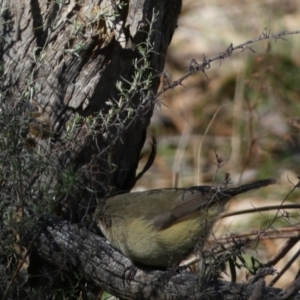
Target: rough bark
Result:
[[74, 247], [64, 59], [60, 64]]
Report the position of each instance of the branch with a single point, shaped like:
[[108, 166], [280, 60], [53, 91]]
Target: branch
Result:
[[195, 67], [72, 247]]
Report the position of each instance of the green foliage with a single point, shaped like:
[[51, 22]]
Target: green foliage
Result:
[[35, 182], [26, 193]]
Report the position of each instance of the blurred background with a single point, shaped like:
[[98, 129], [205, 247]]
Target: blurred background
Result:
[[246, 110]]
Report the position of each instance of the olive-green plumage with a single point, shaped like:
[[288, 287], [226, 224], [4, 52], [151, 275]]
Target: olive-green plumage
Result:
[[161, 227]]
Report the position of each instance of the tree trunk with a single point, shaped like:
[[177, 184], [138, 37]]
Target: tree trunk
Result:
[[87, 72], [82, 77]]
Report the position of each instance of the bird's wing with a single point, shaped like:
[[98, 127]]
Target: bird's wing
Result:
[[187, 203]]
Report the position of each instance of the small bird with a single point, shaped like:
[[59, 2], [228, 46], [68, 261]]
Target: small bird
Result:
[[161, 227]]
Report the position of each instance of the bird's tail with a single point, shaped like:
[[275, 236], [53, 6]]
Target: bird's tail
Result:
[[249, 186]]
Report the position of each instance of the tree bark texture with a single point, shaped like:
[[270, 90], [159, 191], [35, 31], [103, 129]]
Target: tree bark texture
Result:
[[74, 247], [63, 60]]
